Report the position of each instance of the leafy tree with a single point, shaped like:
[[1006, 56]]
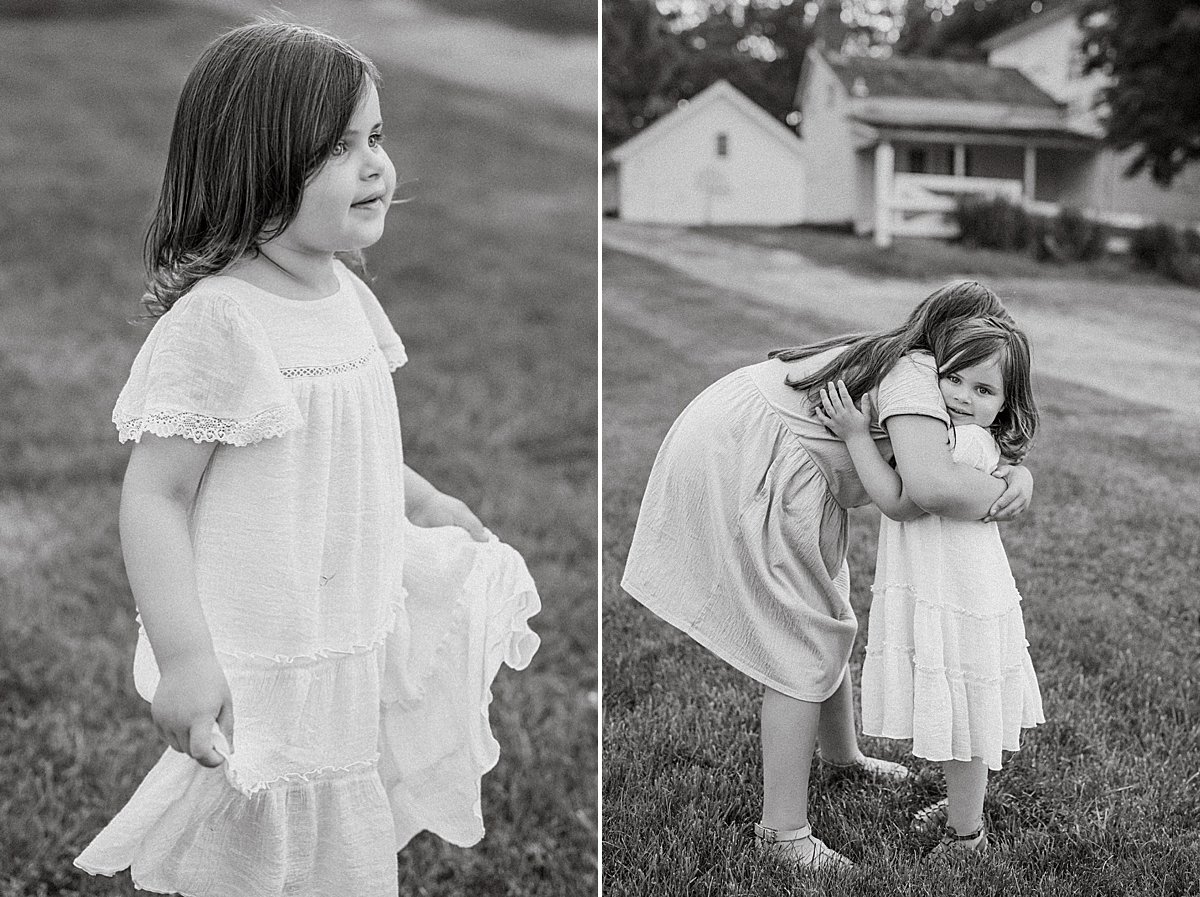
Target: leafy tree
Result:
[[651, 61], [1151, 51], [641, 63], [958, 33]]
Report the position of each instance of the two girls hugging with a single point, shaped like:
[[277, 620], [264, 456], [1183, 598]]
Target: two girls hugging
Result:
[[741, 543]]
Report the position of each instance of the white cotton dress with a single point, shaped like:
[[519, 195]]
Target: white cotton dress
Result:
[[947, 661], [359, 649]]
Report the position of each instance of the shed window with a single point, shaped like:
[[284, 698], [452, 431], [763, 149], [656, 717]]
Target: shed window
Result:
[[722, 144]]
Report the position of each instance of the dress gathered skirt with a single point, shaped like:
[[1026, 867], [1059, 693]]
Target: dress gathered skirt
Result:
[[947, 662], [359, 649], [741, 544]]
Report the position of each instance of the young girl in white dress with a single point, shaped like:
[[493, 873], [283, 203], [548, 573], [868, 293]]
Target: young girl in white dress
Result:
[[321, 625], [947, 662]]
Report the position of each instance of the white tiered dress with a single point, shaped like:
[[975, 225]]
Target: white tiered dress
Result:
[[359, 649], [947, 661]]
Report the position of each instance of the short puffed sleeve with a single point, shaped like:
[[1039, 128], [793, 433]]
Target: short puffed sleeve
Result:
[[385, 335], [974, 446], [206, 372], [911, 387]]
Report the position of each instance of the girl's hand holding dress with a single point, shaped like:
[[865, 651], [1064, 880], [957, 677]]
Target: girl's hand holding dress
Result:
[[427, 506], [191, 694]]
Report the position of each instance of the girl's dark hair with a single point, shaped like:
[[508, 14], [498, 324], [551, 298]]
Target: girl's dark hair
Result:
[[978, 340], [258, 116], [869, 356]]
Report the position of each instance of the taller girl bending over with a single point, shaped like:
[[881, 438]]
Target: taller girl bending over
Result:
[[263, 513]]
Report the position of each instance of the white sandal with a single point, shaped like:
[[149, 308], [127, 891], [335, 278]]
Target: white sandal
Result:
[[875, 766], [953, 842], [799, 847], [933, 816]]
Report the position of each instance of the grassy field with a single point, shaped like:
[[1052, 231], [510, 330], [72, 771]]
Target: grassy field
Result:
[[489, 275], [1102, 800]]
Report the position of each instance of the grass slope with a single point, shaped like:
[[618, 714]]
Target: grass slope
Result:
[[1102, 800], [489, 275]]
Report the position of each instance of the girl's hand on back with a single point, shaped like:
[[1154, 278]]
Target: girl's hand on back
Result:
[[191, 694], [839, 415], [1016, 498]]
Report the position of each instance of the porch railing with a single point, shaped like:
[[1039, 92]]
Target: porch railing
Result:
[[923, 205]]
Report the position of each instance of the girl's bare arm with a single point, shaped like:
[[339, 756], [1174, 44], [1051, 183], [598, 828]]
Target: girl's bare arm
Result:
[[852, 425], [160, 485], [939, 486]]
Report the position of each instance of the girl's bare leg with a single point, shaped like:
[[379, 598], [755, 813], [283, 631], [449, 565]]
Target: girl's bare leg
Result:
[[966, 781], [836, 734], [789, 735]]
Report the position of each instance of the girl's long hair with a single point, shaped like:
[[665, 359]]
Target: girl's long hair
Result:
[[978, 340], [258, 116], [868, 356]]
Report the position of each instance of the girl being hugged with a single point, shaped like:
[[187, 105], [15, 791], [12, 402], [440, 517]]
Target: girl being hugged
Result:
[[947, 662], [288, 568]]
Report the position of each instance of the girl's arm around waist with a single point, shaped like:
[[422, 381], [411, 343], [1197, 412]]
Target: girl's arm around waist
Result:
[[939, 486], [160, 485]]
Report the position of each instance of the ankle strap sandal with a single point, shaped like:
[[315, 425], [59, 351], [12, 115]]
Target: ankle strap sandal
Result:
[[799, 847], [953, 842]]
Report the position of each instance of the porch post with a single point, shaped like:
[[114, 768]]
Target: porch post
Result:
[[960, 160], [885, 167], [1030, 180]]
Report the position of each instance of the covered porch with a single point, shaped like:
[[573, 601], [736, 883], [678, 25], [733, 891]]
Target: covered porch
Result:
[[915, 177]]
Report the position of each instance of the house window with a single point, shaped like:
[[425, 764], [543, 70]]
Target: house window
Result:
[[918, 161], [722, 144]]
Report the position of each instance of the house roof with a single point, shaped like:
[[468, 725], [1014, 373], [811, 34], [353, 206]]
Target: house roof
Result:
[[720, 91], [1032, 24], [936, 79], [1018, 134]]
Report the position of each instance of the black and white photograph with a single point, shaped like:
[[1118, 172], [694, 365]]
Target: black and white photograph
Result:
[[299, 410], [900, 404]]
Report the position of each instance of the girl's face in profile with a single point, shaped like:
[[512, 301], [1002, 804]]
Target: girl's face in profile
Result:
[[975, 394], [345, 202]]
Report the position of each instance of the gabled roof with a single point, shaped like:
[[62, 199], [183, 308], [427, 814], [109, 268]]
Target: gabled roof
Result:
[[720, 91], [1033, 24], [936, 79]]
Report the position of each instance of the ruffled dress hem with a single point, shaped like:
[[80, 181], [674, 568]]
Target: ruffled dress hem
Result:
[[209, 833]]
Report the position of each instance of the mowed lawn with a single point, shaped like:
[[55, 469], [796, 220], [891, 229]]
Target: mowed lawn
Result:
[[1102, 800], [489, 275]]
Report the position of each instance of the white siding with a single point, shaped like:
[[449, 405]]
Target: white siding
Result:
[[679, 178], [832, 194]]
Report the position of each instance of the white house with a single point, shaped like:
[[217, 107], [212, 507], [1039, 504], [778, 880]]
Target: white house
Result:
[[889, 144], [718, 159]]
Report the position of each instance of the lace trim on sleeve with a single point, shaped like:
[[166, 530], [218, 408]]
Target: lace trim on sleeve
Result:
[[202, 428]]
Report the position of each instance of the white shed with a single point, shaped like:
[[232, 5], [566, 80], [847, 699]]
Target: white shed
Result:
[[718, 159]]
